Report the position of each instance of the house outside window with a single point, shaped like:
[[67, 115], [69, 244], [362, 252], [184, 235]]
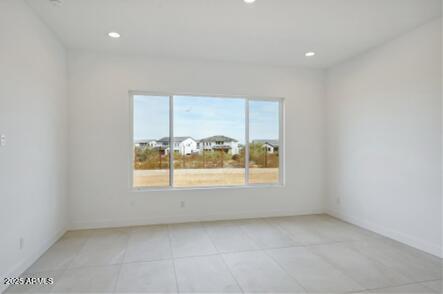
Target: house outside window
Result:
[[217, 141]]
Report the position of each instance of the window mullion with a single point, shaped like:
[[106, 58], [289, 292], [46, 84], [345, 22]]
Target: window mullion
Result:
[[171, 141], [281, 143], [246, 141]]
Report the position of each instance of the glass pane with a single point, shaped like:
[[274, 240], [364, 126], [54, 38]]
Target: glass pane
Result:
[[264, 145], [151, 141], [208, 144]]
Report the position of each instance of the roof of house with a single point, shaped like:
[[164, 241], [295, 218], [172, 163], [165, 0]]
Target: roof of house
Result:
[[218, 139], [273, 143], [176, 139], [222, 147], [144, 141]]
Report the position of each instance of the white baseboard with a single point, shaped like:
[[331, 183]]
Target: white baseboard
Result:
[[434, 249], [23, 265], [108, 223]]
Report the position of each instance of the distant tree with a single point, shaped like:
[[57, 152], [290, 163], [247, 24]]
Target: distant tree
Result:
[[260, 157], [146, 158], [150, 158]]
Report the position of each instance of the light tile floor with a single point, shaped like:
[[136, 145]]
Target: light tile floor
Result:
[[300, 254]]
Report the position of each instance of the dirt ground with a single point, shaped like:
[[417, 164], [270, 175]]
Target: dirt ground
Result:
[[205, 177]]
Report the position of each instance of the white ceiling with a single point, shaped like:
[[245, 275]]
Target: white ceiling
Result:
[[273, 32]]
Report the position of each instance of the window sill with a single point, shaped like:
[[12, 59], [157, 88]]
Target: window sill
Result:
[[167, 189]]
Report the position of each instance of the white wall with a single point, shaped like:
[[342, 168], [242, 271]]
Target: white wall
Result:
[[384, 147], [99, 140], [33, 100], [384, 139]]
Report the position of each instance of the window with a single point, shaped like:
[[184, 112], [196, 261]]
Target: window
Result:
[[216, 141], [264, 143], [150, 133], [220, 124]]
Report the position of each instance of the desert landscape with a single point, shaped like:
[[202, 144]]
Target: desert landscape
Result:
[[205, 177]]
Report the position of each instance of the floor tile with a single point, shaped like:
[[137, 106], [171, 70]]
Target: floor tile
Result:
[[257, 272], [88, 280], [332, 229], [147, 277], [312, 272], [148, 243], [365, 271], [36, 288], [204, 274], [434, 285], [60, 255], [348, 232], [228, 236], [417, 266], [299, 231], [104, 247], [408, 289], [190, 239], [266, 235], [78, 234], [431, 259], [339, 258]]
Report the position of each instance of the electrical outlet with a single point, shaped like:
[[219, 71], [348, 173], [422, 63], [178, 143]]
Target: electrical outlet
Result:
[[21, 243], [2, 140], [338, 200], [182, 204]]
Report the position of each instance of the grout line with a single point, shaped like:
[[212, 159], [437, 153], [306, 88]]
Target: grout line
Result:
[[431, 289], [232, 274], [222, 258], [206, 229], [242, 227], [173, 259], [334, 266], [407, 284], [276, 225], [311, 230], [202, 255], [285, 271], [374, 261], [117, 278], [68, 266], [248, 234], [121, 265]]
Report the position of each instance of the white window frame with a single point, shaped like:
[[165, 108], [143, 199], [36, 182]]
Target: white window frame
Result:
[[247, 99]]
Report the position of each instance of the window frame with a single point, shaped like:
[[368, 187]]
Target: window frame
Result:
[[247, 99]]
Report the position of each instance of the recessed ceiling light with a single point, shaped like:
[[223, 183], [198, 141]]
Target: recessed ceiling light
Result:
[[114, 35], [309, 54], [249, 1]]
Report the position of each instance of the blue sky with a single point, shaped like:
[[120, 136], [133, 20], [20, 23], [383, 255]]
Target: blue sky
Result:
[[201, 117]]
